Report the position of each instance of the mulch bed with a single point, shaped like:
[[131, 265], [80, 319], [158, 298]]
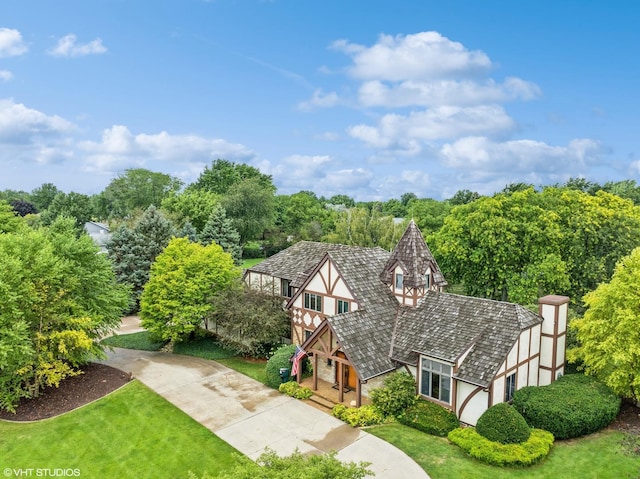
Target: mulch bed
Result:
[[97, 381]]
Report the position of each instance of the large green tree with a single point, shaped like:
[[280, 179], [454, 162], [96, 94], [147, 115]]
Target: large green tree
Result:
[[73, 205], [251, 208], [363, 227], [493, 242], [58, 297], [192, 206], [9, 219], [176, 299], [608, 334], [137, 189], [223, 176], [43, 195]]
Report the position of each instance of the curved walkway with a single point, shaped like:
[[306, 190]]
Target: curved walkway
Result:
[[250, 416]]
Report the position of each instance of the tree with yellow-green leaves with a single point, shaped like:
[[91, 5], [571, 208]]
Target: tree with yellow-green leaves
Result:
[[608, 334], [175, 300], [58, 297]]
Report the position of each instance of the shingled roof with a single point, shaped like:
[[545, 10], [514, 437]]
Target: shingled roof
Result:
[[414, 257], [365, 334], [295, 260], [444, 326]]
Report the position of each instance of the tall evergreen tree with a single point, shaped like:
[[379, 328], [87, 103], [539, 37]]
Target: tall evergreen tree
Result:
[[219, 229], [188, 231], [133, 251]]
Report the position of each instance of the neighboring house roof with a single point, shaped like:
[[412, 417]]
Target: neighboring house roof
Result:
[[414, 257], [445, 326], [99, 233]]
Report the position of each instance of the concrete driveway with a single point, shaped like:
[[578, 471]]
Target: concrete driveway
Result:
[[250, 416]]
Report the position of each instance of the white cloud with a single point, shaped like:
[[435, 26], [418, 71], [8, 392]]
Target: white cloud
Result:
[[421, 56], [67, 47], [119, 149], [19, 124], [481, 157], [319, 99], [6, 75], [439, 123], [445, 92], [11, 43]]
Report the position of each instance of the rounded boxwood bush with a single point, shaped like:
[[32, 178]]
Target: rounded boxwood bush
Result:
[[504, 424], [524, 454], [397, 393], [429, 417], [280, 359], [572, 406], [293, 389]]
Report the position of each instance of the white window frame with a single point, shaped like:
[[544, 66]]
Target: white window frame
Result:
[[285, 288], [430, 368], [399, 280]]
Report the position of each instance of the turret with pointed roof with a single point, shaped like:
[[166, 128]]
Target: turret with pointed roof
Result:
[[413, 262]]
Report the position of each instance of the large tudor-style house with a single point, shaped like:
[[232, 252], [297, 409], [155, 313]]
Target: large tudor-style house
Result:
[[362, 313]]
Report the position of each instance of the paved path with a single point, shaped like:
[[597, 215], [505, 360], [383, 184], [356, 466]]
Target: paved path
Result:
[[251, 416]]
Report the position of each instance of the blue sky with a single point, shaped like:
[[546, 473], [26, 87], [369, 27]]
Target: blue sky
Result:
[[366, 98]]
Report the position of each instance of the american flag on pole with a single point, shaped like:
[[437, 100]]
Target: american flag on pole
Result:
[[300, 353]]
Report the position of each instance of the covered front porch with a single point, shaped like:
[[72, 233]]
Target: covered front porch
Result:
[[334, 377]]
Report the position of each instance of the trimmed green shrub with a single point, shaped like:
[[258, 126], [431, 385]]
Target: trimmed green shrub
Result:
[[396, 395], [429, 417], [524, 454], [504, 424], [293, 389], [572, 406], [367, 415], [280, 359]]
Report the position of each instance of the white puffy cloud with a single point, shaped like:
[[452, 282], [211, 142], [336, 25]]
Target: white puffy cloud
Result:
[[445, 92], [119, 149], [5, 75], [11, 43], [67, 46], [480, 158], [421, 56], [19, 124], [439, 123], [319, 99]]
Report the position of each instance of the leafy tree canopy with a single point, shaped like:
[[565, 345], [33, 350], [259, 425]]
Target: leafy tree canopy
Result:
[[363, 227], [223, 175], [219, 229], [193, 206], [608, 334], [137, 189], [58, 297], [43, 195], [175, 300], [23, 207], [10, 222], [251, 207], [73, 205]]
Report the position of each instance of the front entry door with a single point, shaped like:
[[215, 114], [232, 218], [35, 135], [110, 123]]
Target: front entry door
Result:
[[349, 374]]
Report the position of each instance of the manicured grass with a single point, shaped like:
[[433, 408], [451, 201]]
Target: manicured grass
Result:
[[252, 368], [133, 341], [131, 433], [596, 456], [248, 263]]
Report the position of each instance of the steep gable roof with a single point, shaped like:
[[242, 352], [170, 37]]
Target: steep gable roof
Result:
[[295, 260], [414, 257], [445, 326]]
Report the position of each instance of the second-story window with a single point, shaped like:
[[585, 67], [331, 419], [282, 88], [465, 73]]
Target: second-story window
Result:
[[399, 280], [313, 302], [342, 306], [287, 290]]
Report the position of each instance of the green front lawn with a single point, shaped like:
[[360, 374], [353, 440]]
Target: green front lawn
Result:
[[131, 433], [596, 456], [248, 263], [140, 340]]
